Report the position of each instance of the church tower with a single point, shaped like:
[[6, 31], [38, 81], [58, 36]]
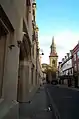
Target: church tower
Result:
[[53, 55]]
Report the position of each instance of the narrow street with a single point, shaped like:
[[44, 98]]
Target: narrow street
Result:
[[38, 108], [39, 59], [52, 102], [65, 102]]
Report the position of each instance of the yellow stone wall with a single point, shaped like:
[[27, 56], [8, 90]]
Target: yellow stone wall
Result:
[[51, 60]]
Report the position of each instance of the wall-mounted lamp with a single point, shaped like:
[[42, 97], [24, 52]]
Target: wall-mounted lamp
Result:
[[11, 46], [24, 33], [34, 4], [19, 43], [42, 53], [37, 29]]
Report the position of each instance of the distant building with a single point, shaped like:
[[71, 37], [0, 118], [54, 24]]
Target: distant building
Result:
[[53, 55], [51, 68], [59, 70], [75, 63], [44, 67], [67, 69]]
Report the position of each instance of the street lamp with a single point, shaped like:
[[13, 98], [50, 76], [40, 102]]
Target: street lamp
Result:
[[23, 33], [42, 53], [34, 4]]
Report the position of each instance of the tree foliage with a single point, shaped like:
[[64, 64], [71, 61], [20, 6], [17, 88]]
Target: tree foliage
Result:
[[50, 69]]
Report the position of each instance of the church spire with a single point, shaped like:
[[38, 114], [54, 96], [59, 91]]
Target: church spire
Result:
[[53, 46], [53, 55], [53, 40]]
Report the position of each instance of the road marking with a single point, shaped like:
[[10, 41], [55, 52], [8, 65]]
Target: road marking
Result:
[[57, 115]]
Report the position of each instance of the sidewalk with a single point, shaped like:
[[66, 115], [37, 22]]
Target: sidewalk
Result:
[[39, 107]]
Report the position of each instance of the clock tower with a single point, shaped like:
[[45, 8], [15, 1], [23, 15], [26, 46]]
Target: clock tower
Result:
[[53, 55]]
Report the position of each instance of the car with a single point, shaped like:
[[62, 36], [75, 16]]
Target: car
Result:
[[54, 82]]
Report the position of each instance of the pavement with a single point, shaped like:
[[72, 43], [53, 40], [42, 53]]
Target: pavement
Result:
[[39, 108], [65, 101]]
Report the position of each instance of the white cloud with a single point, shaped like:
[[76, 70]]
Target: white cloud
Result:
[[65, 41]]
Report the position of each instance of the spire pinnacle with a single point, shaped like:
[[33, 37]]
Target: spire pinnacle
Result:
[[53, 40], [53, 46]]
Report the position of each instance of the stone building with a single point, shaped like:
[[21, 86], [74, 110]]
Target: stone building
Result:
[[53, 56], [40, 73], [60, 73], [17, 62], [66, 69], [51, 68], [37, 70], [75, 63]]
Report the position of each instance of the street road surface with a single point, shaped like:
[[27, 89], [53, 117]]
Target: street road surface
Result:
[[65, 101]]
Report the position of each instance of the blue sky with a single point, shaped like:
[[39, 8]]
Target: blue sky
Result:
[[58, 18]]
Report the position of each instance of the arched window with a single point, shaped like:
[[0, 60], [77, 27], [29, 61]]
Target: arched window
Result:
[[53, 62]]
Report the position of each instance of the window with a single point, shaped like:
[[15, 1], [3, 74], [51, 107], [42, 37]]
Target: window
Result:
[[78, 66], [78, 54], [28, 10], [33, 50], [74, 57], [53, 62], [2, 53], [71, 71], [5, 28], [32, 69], [75, 67]]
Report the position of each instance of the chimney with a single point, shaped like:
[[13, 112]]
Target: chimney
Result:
[[65, 57], [68, 55], [62, 59], [71, 52], [59, 63]]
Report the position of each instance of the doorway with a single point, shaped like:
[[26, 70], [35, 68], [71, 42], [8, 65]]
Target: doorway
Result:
[[3, 37], [19, 85]]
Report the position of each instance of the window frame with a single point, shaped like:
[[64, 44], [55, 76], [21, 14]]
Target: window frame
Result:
[[78, 54], [75, 67], [75, 57]]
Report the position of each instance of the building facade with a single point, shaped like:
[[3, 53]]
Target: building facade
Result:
[[51, 68], [66, 69], [18, 80], [75, 63], [53, 55], [60, 73], [40, 73]]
